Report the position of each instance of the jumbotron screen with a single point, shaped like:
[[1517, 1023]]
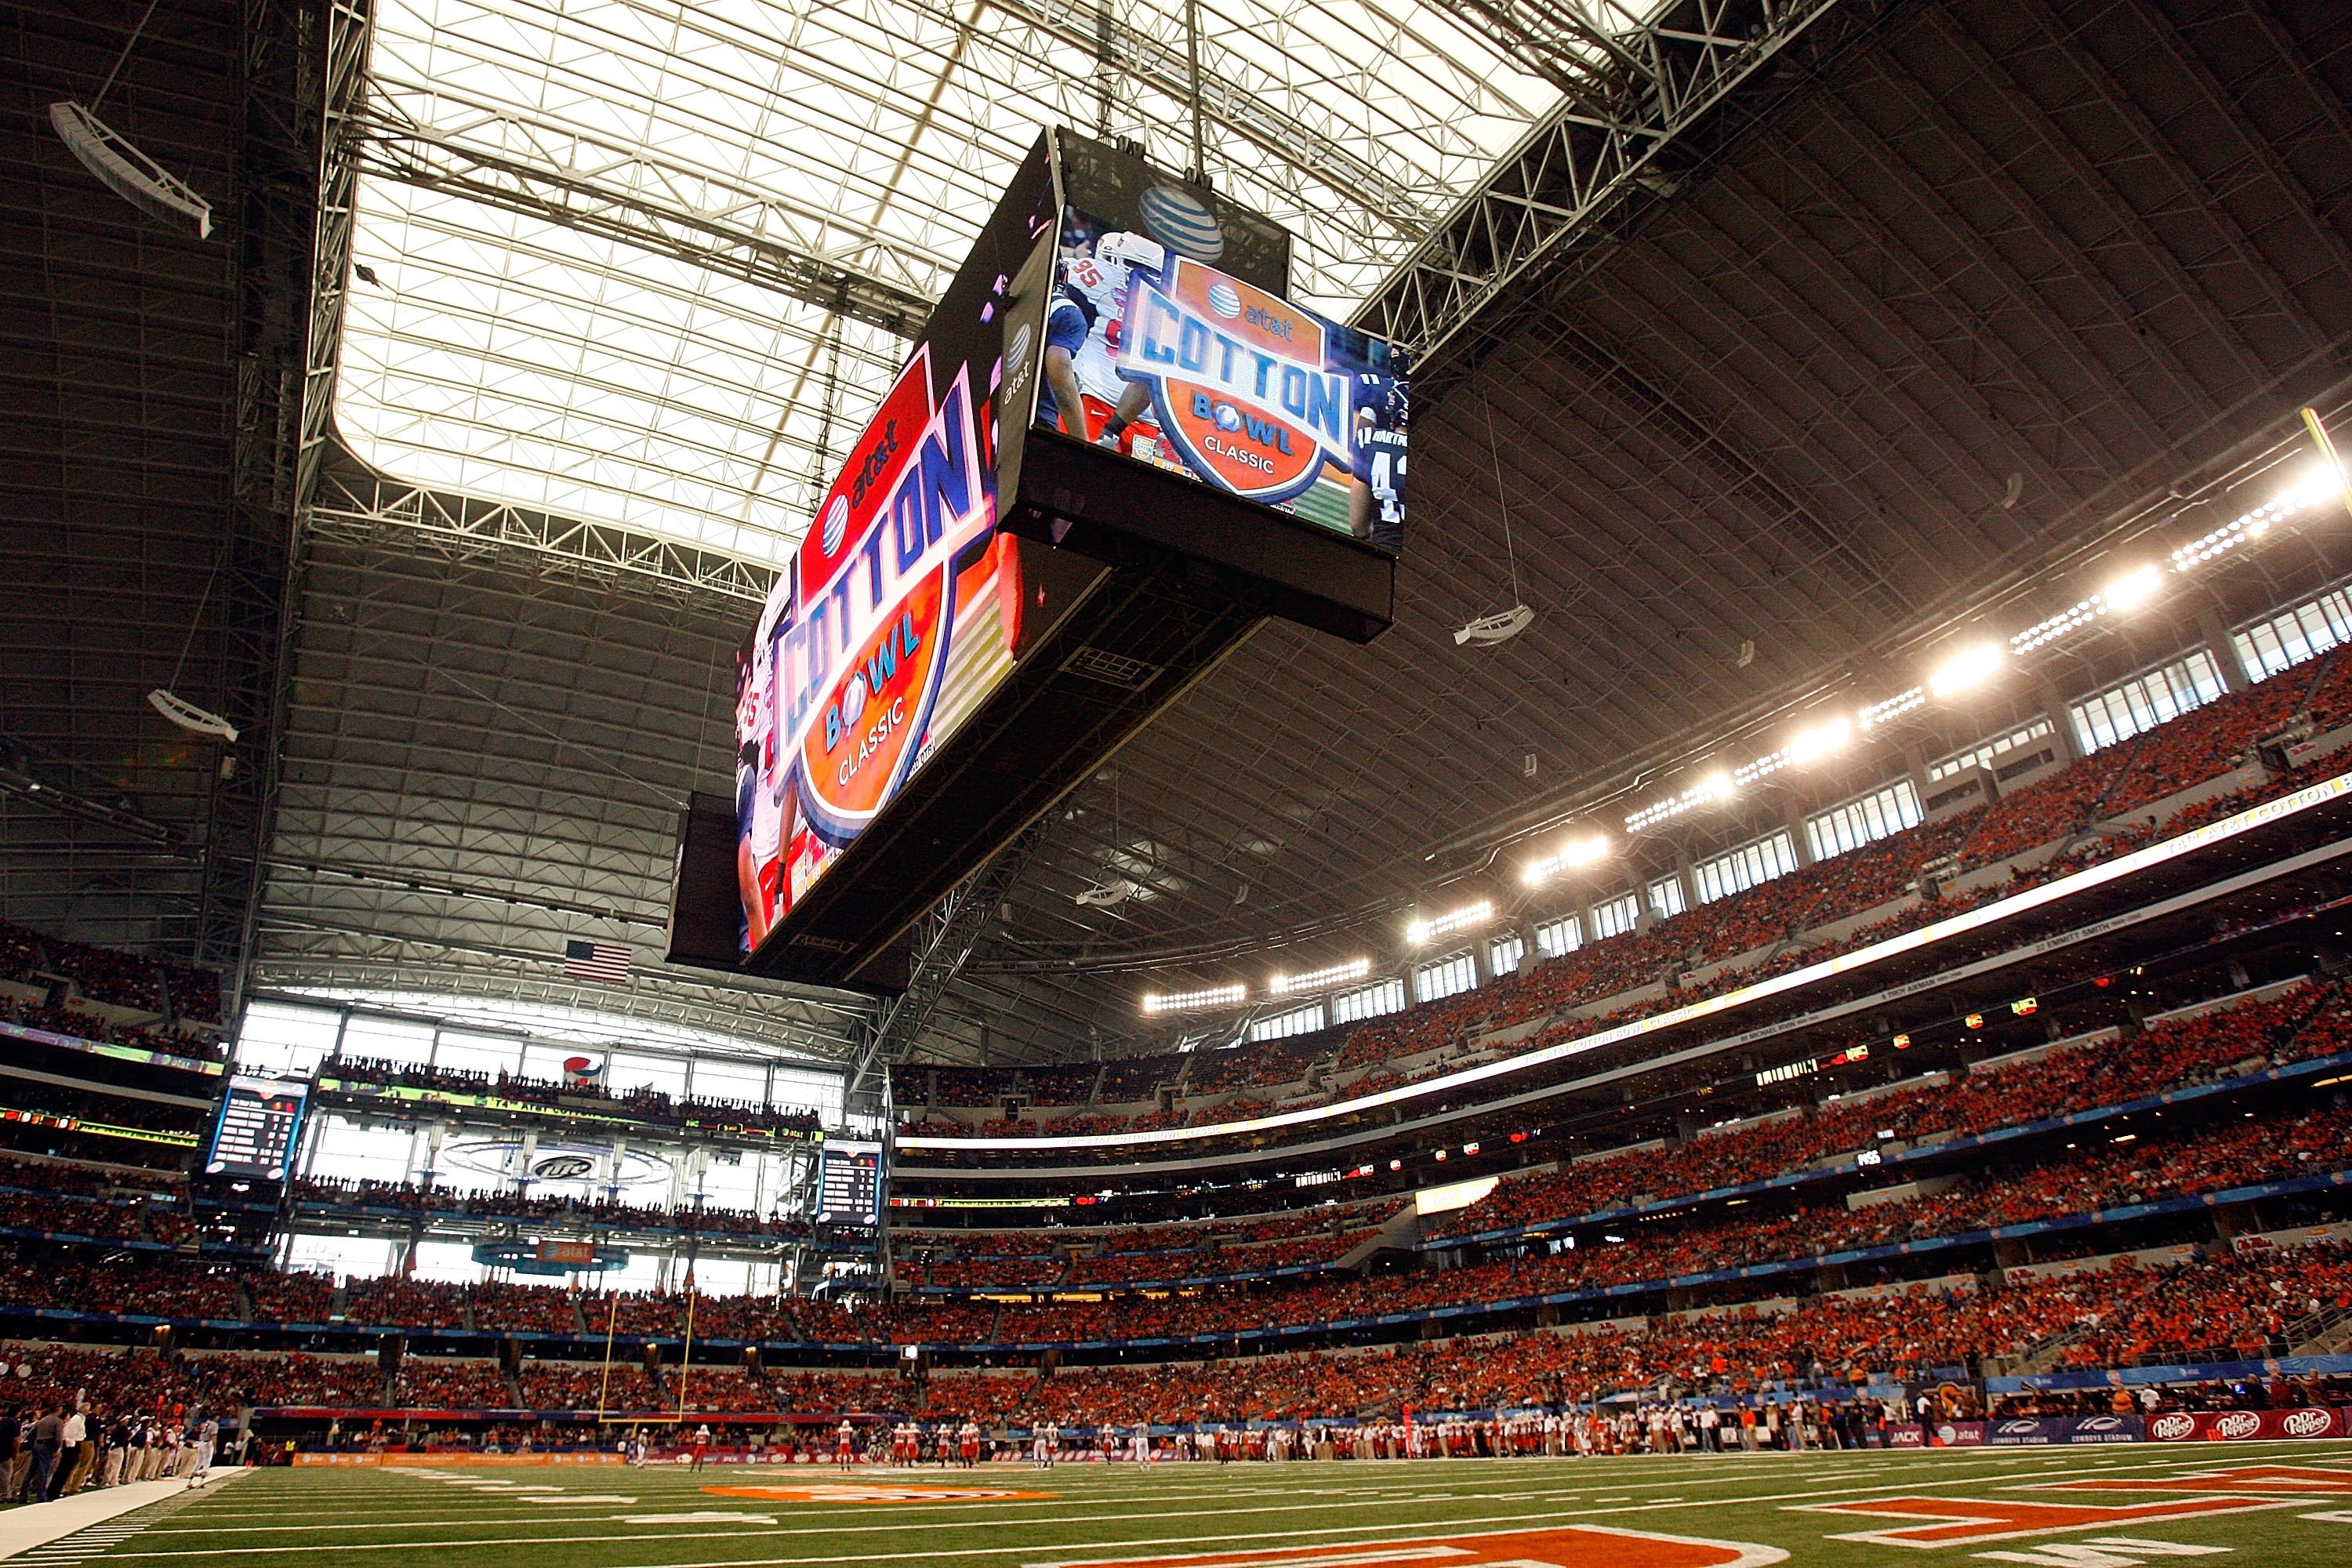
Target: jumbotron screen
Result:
[[260, 1119], [1152, 349], [900, 611], [1103, 299]]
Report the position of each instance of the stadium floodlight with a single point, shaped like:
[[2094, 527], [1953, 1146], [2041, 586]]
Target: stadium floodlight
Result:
[[1909, 699], [1716, 786], [1319, 979], [1970, 667], [1582, 851], [1195, 1001], [2329, 479], [1820, 740], [2321, 483], [126, 172], [1468, 915], [2133, 588]]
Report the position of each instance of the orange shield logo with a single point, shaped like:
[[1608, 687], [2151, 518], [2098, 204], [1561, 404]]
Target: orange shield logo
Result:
[[1240, 381], [863, 743]]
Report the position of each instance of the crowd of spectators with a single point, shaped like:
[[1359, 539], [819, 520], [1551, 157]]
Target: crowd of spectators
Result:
[[59, 1198], [411, 1303], [2224, 1307], [1207, 1261], [294, 1378], [523, 1308], [130, 1378], [2308, 1021], [1185, 1248], [110, 976], [79, 1024], [569, 1213], [291, 1298], [1765, 919], [644, 1103], [975, 1087], [2068, 1183], [45, 1280], [589, 1386], [451, 1384], [2227, 1308]]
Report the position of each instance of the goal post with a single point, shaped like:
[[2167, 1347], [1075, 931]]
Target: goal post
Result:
[[605, 1417]]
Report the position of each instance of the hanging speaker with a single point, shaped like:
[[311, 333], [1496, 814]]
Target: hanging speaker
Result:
[[195, 720], [129, 172]]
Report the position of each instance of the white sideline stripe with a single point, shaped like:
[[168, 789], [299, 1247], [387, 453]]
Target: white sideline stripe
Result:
[[32, 1528], [1937, 1460], [901, 1555]]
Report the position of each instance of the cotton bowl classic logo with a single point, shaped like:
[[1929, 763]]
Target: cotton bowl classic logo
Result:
[[861, 662], [1238, 378]]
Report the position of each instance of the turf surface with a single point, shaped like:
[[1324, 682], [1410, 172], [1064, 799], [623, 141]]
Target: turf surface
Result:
[[2081, 1507]]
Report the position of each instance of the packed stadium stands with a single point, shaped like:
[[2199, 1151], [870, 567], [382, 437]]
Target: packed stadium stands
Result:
[[1767, 922], [649, 1105], [1790, 1245], [108, 976]]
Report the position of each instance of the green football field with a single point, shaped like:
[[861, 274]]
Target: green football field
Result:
[[2082, 1508]]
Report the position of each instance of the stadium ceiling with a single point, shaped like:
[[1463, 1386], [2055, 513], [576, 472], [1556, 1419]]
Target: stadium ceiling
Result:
[[622, 276], [1882, 321], [648, 262]]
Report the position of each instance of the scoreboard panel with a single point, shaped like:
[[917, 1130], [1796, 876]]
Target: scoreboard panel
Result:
[[260, 1119], [849, 1184]]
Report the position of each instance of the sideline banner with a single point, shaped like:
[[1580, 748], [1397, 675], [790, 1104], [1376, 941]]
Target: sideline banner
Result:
[[2246, 1425], [2026, 1432]]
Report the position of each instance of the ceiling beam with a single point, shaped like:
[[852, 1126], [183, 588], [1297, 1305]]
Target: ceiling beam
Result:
[[356, 501], [1160, 63], [1622, 134], [623, 194]]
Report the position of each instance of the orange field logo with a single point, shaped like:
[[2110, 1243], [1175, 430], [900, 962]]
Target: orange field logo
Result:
[[858, 1491], [1552, 1547]]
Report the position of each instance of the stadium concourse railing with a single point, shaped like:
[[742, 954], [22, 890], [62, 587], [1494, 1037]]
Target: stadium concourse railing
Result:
[[112, 1051], [1981, 917]]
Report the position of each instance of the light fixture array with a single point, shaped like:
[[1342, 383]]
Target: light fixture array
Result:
[[1972, 667]]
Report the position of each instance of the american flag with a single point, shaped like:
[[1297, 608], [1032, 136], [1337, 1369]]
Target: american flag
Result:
[[596, 961]]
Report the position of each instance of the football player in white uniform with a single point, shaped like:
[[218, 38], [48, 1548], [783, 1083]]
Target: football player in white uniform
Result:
[[1082, 372]]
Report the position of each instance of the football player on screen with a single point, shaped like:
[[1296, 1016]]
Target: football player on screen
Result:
[[1376, 488], [1082, 332], [756, 844]]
